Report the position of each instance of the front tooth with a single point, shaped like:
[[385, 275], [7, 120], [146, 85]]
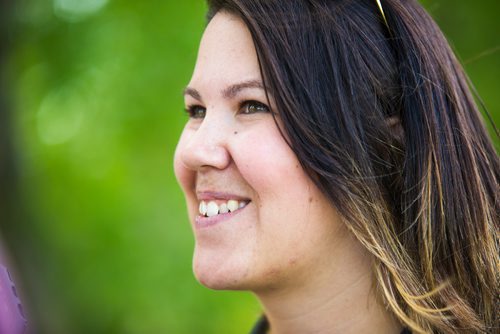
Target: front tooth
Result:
[[232, 205], [223, 208], [212, 209], [203, 208]]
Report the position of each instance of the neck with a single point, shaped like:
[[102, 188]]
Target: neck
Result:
[[345, 302]]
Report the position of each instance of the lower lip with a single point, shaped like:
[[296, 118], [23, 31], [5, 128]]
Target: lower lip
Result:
[[203, 222]]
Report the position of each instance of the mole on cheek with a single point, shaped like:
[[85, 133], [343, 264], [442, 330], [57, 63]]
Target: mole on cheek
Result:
[[235, 132]]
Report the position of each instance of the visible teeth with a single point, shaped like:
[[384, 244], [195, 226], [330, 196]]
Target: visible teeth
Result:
[[232, 205], [203, 208], [223, 208], [212, 209]]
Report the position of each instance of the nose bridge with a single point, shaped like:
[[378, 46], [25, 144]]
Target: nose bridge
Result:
[[207, 146]]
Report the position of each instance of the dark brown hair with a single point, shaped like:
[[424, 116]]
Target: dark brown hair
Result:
[[381, 117]]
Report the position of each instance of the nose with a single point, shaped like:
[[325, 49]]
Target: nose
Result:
[[207, 146]]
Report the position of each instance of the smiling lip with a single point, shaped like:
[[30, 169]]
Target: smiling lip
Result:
[[203, 222], [215, 195]]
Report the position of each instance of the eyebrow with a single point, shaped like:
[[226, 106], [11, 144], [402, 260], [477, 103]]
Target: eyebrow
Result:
[[228, 92]]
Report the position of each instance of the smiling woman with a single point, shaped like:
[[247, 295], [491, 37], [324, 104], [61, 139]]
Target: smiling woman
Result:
[[233, 164], [335, 165]]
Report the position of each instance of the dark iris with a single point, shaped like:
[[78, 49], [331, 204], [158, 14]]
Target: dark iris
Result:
[[196, 111], [251, 107]]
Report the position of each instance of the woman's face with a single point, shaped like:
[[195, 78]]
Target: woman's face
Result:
[[268, 224]]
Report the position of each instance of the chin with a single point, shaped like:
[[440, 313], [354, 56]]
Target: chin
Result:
[[218, 273]]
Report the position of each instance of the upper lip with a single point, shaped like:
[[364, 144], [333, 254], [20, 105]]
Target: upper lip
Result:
[[206, 195]]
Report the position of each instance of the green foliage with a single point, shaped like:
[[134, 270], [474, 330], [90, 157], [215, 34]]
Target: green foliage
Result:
[[96, 88]]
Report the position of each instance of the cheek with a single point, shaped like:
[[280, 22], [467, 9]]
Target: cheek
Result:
[[267, 163], [281, 187], [293, 216]]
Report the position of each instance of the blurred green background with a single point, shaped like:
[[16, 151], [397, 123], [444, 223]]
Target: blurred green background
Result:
[[96, 223]]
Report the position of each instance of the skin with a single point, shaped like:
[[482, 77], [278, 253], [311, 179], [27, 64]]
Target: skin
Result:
[[288, 245]]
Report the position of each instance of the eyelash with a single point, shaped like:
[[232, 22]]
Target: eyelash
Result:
[[194, 111]]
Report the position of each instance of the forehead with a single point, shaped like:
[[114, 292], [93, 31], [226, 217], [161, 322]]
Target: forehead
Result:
[[226, 54]]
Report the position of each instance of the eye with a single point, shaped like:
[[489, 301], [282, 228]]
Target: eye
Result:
[[196, 111], [252, 107]]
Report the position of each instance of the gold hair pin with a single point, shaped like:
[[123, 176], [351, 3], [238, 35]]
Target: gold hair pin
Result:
[[382, 12]]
